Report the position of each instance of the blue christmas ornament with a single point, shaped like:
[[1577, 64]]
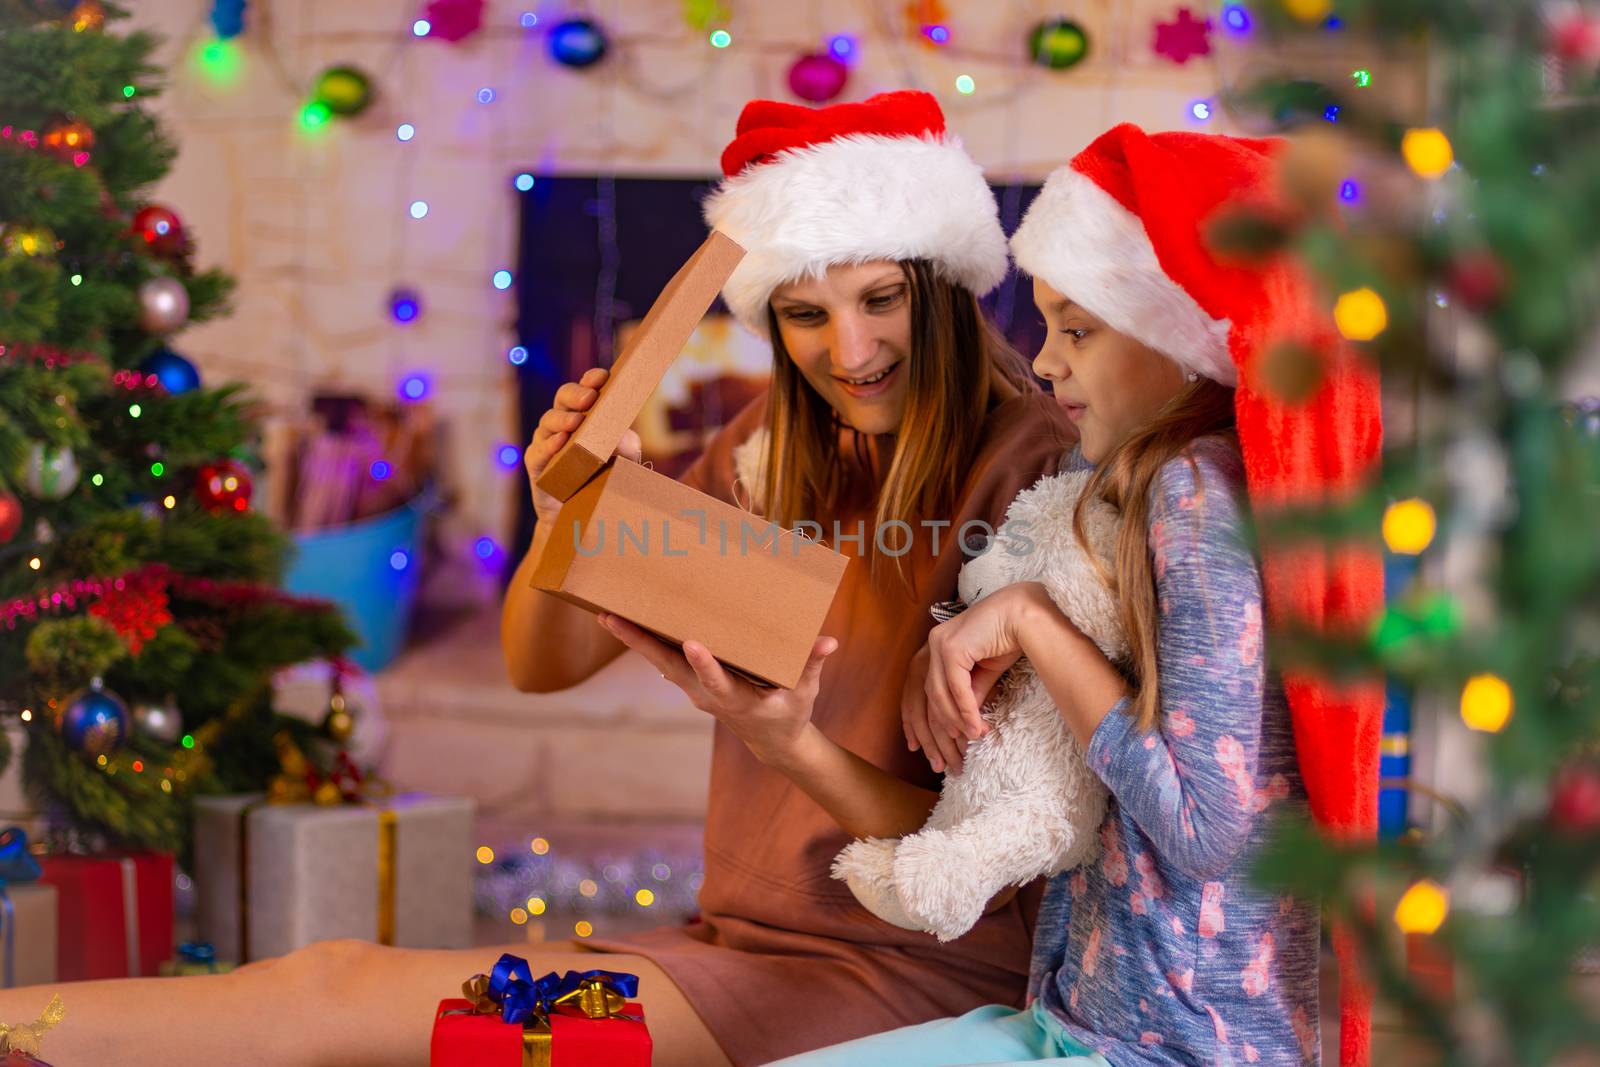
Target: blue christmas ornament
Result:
[[577, 43], [94, 722], [227, 18], [177, 374]]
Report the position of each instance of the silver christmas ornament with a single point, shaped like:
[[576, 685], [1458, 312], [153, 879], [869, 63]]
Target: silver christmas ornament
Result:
[[160, 722], [49, 473], [163, 305]]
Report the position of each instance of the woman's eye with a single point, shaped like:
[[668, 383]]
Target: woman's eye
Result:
[[1076, 335], [884, 301], [804, 318]]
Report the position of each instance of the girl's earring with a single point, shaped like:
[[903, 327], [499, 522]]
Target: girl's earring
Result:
[[1194, 376]]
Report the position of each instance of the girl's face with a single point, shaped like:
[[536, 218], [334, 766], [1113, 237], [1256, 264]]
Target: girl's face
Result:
[[849, 332], [1109, 384]]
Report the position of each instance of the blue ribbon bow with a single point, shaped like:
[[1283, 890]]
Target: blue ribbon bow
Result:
[[522, 997], [16, 865], [202, 952]]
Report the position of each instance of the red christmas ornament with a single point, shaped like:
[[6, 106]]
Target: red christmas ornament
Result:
[[817, 78], [135, 606], [1183, 38], [454, 20], [161, 230], [1575, 37], [224, 486], [10, 516], [1478, 279], [1575, 799], [21, 1059]]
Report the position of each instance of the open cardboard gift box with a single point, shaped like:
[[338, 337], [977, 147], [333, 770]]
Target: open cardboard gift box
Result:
[[675, 561]]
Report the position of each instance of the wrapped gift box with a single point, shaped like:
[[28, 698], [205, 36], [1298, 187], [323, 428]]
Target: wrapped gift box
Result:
[[31, 930], [672, 560], [576, 1019], [464, 1038], [195, 957], [114, 914], [271, 878], [16, 807]]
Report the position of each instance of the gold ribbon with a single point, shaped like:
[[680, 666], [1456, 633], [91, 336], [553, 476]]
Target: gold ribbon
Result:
[[25, 1039], [595, 999], [388, 823], [535, 1032]]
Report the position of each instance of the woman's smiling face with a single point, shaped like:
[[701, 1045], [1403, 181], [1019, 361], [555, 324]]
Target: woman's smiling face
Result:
[[849, 333], [1108, 383]]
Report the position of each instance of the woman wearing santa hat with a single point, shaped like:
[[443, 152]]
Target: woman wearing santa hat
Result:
[[870, 235], [1161, 951]]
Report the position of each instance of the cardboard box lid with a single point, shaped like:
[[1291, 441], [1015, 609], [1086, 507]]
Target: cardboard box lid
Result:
[[642, 364]]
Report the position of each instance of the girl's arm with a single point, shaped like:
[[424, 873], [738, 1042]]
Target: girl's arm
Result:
[[1190, 783]]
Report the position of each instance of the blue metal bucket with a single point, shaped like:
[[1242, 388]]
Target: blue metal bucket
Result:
[[370, 569]]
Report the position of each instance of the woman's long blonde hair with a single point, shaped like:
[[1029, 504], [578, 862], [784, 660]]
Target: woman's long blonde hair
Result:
[[958, 367], [1124, 479]]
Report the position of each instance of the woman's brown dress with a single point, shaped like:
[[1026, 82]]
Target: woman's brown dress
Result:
[[782, 959]]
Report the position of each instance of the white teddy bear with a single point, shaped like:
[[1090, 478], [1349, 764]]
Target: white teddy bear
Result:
[[1026, 804]]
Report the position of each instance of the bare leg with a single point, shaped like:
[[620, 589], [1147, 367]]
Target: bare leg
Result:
[[334, 1004]]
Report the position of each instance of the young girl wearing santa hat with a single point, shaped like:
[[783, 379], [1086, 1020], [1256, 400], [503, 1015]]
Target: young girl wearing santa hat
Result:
[[1161, 951]]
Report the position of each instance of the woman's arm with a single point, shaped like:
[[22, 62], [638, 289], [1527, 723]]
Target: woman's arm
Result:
[[549, 644], [862, 798], [775, 725]]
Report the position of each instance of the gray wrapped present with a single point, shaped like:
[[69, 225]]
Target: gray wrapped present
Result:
[[271, 878], [28, 941]]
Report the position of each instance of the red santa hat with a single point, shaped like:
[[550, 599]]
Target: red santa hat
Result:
[[1121, 230], [807, 188]]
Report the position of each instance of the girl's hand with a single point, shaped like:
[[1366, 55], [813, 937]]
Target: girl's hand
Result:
[[967, 656], [556, 426], [945, 752], [771, 722]]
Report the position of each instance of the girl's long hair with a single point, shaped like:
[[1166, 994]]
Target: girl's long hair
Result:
[[958, 368], [1124, 479]]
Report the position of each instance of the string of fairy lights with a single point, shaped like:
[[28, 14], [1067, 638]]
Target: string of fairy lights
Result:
[[820, 69]]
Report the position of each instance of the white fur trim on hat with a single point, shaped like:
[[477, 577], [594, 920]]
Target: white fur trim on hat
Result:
[[1091, 249], [852, 200]]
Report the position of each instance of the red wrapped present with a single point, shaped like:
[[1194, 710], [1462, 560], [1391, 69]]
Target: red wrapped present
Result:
[[509, 1019], [115, 914]]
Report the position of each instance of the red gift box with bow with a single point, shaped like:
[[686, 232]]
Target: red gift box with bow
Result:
[[464, 1038], [510, 1019]]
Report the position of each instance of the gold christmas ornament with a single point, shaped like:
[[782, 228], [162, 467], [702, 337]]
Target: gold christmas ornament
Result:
[[338, 724], [1314, 167], [20, 240]]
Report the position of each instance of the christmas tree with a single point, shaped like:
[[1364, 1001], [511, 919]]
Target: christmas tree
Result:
[[1458, 250], [140, 625]]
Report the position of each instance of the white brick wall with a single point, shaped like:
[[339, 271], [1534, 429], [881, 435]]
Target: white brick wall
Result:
[[312, 225]]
